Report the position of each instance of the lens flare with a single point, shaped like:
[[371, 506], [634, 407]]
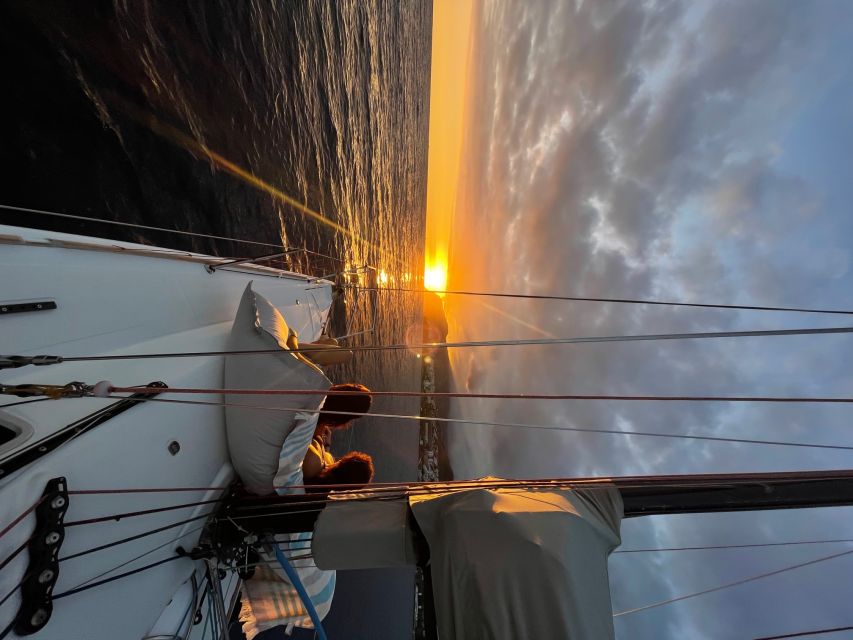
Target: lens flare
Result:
[[201, 150]]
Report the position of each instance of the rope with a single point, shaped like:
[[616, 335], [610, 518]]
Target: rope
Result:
[[119, 576], [209, 616], [530, 296], [300, 589], [133, 514], [116, 543], [644, 434], [142, 555], [15, 553], [15, 404], [84, 492], [183, 634], [732, 584], [268, 563], [800, 634], [14, 589], [481, 343], [505, 396], [735, 546], [21, 547], [14, 522]]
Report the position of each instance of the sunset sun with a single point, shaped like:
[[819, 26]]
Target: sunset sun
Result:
[[435, 277]]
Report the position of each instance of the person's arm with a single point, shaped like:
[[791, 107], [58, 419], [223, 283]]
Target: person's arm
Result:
[[312, 464]]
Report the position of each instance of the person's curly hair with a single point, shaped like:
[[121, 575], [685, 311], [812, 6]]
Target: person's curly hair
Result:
[[349, 406], [354, 468]]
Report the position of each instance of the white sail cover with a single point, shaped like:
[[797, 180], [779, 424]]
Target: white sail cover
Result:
[[257, 425], [371, 534], [506, 563], [513, 564]]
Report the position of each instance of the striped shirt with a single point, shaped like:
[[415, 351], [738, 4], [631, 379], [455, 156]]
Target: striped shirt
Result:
[[269, 599]]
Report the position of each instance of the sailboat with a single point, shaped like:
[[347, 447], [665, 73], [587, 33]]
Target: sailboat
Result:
[[92, 488], [123, 509]]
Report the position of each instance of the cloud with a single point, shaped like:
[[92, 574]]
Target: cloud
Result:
[[633, 149]]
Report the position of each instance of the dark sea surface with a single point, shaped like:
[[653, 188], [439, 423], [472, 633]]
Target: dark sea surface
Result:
[[215, 116]]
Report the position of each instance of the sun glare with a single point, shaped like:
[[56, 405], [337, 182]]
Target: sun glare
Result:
[[435, 278]]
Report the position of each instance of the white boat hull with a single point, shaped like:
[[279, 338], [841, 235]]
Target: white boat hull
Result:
[[118, 298]]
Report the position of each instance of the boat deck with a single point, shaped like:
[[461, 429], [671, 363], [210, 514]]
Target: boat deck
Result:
[[120, 298]]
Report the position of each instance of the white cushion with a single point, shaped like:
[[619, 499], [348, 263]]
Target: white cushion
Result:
[[255, 436]]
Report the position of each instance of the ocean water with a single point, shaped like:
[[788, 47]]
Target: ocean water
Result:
[[216, 117]]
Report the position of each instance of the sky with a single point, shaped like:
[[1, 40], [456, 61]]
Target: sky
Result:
[[695, 151], [451, 46]]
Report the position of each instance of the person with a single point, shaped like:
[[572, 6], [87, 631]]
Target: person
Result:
[[351, 471], [269, 598], [339, 411]]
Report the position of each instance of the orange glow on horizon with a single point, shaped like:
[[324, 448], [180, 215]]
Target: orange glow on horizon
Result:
[[451, 35]]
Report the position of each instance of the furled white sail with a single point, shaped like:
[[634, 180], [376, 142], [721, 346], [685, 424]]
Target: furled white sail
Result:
[[255, 426]]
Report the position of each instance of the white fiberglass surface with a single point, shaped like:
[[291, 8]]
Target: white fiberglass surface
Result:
[[108, 303]]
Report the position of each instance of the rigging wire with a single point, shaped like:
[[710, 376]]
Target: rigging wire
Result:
[[405, 490], [491, 294], [302, 507], [213, 611], [732, 584], [25, 543], [667, 303], [645, 434], [23, 515], [377, 487], [395, 490], [16, 404], [391, 491], [734, 546], [800, 634], [69, 216], [490, 396], [188, 614], [142, 555], [704, 335], [15, 553], [119, 576], [273, 563], [133, 514], [524, 296], [14, 589], [209, 615], [84, 492], [137, 536], [86, 585]]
